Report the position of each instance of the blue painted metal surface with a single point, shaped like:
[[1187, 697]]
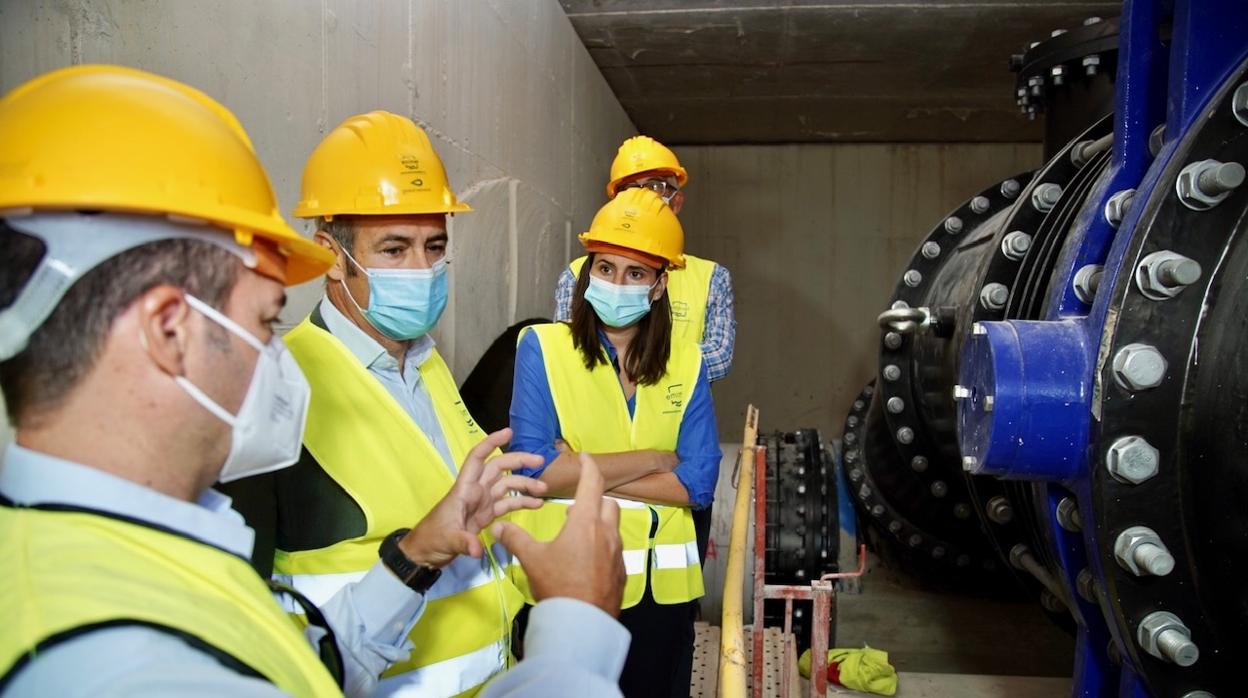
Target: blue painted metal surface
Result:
[[1041, 375]]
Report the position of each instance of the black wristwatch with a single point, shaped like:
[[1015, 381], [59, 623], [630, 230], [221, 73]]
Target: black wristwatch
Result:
[[416, 576]]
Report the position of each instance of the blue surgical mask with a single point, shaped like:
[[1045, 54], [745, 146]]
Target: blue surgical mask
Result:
[[403, 303], [618, 305]]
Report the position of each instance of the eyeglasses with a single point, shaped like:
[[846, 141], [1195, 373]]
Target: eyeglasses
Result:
[[667, 190]]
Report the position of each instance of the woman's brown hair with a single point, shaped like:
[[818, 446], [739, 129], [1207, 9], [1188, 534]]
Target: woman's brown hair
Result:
[[651, 348]]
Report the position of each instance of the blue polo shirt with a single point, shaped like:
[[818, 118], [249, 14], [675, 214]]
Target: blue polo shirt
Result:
[[536, 424]]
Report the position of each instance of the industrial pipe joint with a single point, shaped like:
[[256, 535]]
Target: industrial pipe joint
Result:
[[1026, 383]]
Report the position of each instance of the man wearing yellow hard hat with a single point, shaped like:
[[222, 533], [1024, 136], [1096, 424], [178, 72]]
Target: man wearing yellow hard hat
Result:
[[618, 382], [701, 290], [387, 429], [142, 265]]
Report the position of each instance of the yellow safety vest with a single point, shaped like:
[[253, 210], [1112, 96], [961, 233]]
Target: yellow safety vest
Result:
[[593, 417], [688, 290], [370, 446], [69, 570]]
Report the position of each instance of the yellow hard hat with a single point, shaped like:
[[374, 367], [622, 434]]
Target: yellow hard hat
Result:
[[643, 154], [108, 138], [375, 164], [637, 221]]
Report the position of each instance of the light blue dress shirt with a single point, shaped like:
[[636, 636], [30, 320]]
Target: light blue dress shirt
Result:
[[406, 387], [574, 649]]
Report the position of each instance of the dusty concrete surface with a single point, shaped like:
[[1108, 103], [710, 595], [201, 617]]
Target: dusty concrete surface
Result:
[[815, 237], [519, 112]]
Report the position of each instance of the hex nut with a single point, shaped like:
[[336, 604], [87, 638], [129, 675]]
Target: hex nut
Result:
[[1139, 367], [1164, 274], [1190, 183], [1239, 104], [1046, 196], [953, 225], [999, 510], [1010, 188], [1085, 585], [1087, 280], [1164, 636], [1117, 206], [1132, 460], [1139, 550], [1068, 515], [891, 372], [994, 296], [980, 204], [1015, 245]]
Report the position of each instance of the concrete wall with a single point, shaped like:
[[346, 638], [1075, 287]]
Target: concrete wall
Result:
[[815, 237], [522, 118]]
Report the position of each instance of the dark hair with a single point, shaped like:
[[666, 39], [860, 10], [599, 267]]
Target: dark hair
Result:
[[651, 348], [64, 348], [342, 230]]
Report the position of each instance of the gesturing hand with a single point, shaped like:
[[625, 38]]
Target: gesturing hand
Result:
[[584, 561], [480, 495]]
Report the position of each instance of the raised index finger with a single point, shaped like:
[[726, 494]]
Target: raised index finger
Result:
[[588, 490]]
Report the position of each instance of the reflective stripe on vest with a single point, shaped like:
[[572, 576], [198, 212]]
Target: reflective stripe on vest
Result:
[[688, 291], [67, 570], [593, 417], [370, 446]]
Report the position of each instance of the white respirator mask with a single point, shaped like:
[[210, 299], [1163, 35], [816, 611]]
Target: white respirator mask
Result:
[[267, 432]]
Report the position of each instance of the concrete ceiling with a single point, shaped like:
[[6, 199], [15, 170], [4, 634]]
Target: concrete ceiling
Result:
[[775, 71]]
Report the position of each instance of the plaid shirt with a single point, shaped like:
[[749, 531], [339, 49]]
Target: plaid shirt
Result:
[[718, 337]]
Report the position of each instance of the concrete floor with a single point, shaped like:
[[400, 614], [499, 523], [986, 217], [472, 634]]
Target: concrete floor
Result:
[[942, 633]]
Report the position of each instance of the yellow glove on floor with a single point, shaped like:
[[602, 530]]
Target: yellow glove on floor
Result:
[[863, 669]]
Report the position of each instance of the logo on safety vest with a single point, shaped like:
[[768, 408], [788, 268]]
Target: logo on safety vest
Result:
[[675, 397], [680, 311]]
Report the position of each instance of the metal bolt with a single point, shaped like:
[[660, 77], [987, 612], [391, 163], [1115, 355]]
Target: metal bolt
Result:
[[980, 204], [905, 435], [1206, 183], [1239, 104], [989, 403], [1057, 32], [918, 464], [801, 489], [1015, 245], [896, 405], [953, 225], [1157, 139], [1198, 694], [970, 464], [978, 329], [892, 340], [939, 489], [1059, 74], [859, 404], [1164, 636], [891, 372], [855, 475], [999, 510], [1036, 83], [1051, 603], [1010, 188], [1068, 515], [994, 296], [1139, 367], [961, 392], [1164, 274], [1131, 459], [938, 552], [851, 422], [961, 510], [1046, 196], [894, 527], [1091, 20], [913, 278], [1117, 206], [1139, 550], [1085, 585], [915, 540], [1087, 281], [851, 438], [877, 510], [1091, 65], [931, 250], [899, 305]]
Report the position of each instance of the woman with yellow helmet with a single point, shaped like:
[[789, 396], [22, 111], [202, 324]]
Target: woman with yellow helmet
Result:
[[615, 383]]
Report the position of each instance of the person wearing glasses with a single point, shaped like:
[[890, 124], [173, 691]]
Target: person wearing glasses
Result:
[[701, 293], [618, 382], [140, 282]]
